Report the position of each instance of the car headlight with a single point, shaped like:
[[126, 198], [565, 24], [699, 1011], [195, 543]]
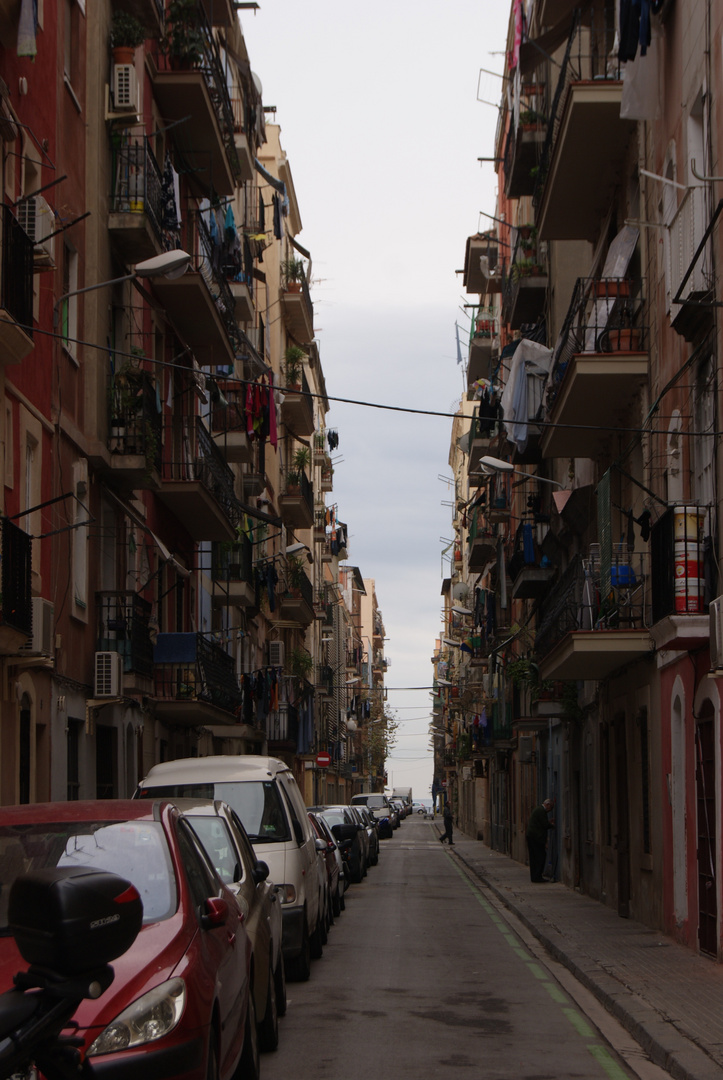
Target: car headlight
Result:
[[286, 894], [149, 1017]]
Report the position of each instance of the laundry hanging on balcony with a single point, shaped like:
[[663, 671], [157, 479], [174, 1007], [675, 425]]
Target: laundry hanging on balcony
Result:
[[171, 200], [521, 398]]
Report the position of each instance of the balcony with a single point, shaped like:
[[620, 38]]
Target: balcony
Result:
[[194, 681], [196, 101], [282, 729], [524, 291], [296, 503], [297, 408], [532, 582], [483, 343], [586, 141], [326, 476], [124, 627], [136, 430], [16, 610], [484, 431], [232, 573], [229, 423], [242, 290], [601, 357], [200, 303], [296, 596], [148, 12], [242, 124], [16, 291], [481, 264], [482, 543], [682, 576], [298, 311], [135, 221], [523, 150], [196, 483], [597, 619]]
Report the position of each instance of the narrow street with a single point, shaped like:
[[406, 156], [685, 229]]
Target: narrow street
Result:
[[423, 973]]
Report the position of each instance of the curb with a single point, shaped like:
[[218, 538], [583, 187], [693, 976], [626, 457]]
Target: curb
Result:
[[664, 1044]]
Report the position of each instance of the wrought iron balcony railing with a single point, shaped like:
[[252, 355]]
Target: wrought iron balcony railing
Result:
[[190, 454], [135, 424], [682, 561], [189, 667], [124, 627], [138, 183], [233, 561], [17, 272], [16, 608]]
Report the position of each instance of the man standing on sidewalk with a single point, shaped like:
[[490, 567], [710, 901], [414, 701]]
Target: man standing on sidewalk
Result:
[[447, 817], [537, 829]]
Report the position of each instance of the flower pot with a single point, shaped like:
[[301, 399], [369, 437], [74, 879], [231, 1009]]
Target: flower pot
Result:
[[293, 286], [611, 287], [124, 54], [623, 339]]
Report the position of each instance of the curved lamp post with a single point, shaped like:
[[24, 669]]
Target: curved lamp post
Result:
[[169, 264]]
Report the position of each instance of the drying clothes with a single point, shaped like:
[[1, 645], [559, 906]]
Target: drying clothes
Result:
[[634, 28], [278, 226], [332, 438]]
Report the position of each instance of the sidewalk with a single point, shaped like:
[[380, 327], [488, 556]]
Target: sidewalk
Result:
[[669, 998]]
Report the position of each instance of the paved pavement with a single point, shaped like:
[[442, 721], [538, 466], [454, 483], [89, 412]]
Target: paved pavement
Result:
[[669, 998]]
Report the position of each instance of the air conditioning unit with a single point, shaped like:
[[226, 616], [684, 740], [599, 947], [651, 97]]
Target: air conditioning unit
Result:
[[126, 97], [38, 220], [276, 654], [41, 643], [525, 746], [108, 674], [715, 610]]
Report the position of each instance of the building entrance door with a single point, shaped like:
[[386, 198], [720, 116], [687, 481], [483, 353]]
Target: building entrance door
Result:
[[706, 831]]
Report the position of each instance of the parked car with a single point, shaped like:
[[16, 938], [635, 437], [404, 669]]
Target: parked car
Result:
[[228, 847], [355, 812], [398, 808], [348, 834], [264, 794], [338, 902], [180, 1002], [372, 833], [328, 852], [379, 806], [422, 806]]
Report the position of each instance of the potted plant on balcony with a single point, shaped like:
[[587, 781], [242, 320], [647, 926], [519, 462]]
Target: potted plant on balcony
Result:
[[293, 482], [293, 360], [302, 457], [185, 40], [292, 271], [126, 34], [300, 663]]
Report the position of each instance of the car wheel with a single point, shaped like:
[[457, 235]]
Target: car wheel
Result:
[[280, 986], [299, 968], [336, 900], [212, 1063], [249, 1067], [323, 923], [316, 941], [269, 1026]]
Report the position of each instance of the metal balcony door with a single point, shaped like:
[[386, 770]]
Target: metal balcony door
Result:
[[706, 831]]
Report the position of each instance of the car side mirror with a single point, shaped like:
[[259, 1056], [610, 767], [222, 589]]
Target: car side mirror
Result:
[[319, 844], [215, 913], [260, 872]]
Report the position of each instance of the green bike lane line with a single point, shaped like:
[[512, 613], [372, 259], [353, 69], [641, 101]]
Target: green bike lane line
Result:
[[600, 1054]]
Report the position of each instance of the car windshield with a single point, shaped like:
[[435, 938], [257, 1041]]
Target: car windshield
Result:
[[335, 817], [137, 850], [257, 803]]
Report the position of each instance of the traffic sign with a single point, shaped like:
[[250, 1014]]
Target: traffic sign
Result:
[[323, 760]]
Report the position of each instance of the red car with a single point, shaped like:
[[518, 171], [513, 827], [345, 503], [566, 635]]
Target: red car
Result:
[[179, 1005]]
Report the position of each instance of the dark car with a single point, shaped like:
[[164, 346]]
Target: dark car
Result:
[[380, 807], [348, 834], [332, 862], [372, 832], [180, 1004]]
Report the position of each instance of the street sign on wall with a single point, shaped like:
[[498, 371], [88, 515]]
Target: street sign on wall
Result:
[[323, 760]]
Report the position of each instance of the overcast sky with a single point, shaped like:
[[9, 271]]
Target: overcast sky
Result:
[[380, 120]]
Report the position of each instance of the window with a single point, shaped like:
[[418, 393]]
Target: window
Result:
[[73, 761], [68, 326]]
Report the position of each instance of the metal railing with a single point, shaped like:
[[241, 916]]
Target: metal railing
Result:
[[124, 627], [16, 608], [138, 183], [590, 55], [682, 561], [282, 724], [606, 315], [190, 454], [189, 667], [232, 561], [685, 233], [581, 600], [135, 424], [17, 271], [208, 259]]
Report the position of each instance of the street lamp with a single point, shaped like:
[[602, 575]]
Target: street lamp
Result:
[[492, 465], [169, 264]]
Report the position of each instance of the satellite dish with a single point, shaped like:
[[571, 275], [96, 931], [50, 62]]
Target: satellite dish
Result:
[[460, 591], [351, 725], [257, 83]]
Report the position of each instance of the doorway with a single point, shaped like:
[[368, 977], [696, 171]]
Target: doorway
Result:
[[622, 832], [706, 831]]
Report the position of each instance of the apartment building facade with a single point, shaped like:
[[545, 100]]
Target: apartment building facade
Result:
[[170, 556], [587, 507]]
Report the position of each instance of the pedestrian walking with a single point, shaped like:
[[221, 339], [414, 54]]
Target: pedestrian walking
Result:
[[537, 829], [447, 818]]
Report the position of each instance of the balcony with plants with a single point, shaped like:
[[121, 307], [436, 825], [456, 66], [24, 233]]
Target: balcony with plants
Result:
[[481, 264], [598, 617], [16, 606], [150, 13], [192, 93], [601, 356], [200, 303], [296, 501], [229, 422], [586, 139], [296, 592], [195, 681], [197, 485], [529, 569], [135, 218], [124, 626], [525, 139], [135, 428], [297, 307], [297, 408], [524, 289], [484, 342], [232, 573], [16, 290]]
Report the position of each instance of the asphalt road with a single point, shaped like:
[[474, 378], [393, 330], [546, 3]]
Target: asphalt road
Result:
[[423, 975]]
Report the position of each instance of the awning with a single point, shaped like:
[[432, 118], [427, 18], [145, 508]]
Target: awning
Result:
[[535, 50], [278, 185]]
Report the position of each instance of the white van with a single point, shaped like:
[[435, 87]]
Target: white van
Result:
[[265, 795]]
